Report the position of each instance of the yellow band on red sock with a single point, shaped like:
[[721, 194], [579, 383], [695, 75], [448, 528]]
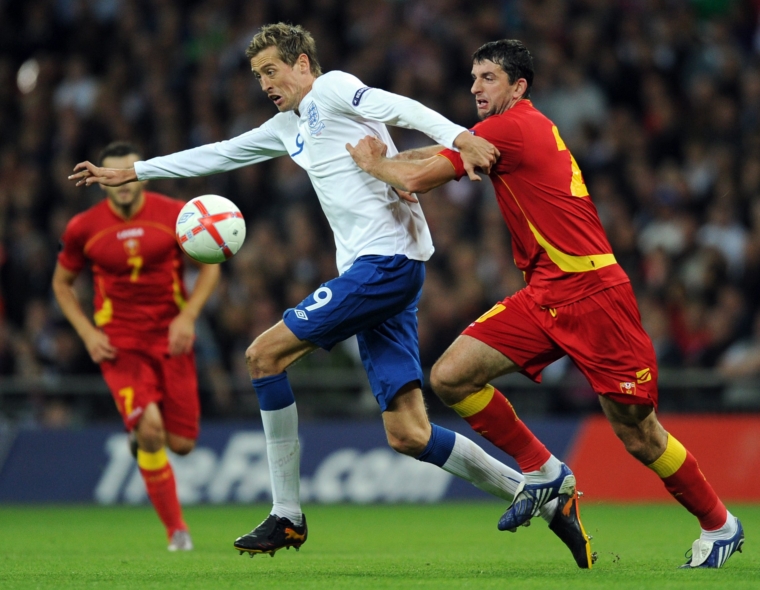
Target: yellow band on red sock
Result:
[[671, 460], [474, 402], [152, 461]]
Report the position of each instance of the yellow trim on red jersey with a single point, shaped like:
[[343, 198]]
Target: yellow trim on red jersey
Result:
[[177, 291], [560, 144], [577, 185], [105, 314], [565, 262]]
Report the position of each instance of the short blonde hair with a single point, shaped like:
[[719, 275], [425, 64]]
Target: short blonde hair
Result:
[[290, 40]]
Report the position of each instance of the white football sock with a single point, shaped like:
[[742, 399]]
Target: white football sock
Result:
[[727, 531], [547, 510], [472, 463], [549, 472], [284, 457]]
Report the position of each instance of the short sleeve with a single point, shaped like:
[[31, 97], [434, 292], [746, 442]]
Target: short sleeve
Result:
[[455, 158], [71, 255], [505, 134]]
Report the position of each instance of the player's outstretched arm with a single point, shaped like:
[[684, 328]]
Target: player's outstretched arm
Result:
[[345, 95], [182, 327], [416, 176], [87, 173], [95, 341]]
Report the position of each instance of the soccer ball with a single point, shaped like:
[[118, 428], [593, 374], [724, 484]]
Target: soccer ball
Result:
[[210, 229]]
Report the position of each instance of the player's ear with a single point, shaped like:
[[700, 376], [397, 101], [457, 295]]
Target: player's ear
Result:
[[303, 63], [522, 87]]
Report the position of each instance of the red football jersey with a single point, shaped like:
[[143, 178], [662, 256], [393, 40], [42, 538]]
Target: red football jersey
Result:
[[557, 238], [137, 269]]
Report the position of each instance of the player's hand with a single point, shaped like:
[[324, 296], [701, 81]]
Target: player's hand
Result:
[[181, 334], [99, 347], [477, 153], [87, 173], [367, 152], [405, 195]]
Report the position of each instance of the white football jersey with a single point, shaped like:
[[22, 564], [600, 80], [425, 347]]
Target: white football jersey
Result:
[[365, 215]]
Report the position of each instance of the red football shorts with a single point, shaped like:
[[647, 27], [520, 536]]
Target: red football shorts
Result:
[[137, 378], [601, 333]]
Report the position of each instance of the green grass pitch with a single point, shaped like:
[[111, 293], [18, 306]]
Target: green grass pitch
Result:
[[451, 545]]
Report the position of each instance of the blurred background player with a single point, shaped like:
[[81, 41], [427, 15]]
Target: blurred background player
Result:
[[578, 302], [382, 244], [143, 331]]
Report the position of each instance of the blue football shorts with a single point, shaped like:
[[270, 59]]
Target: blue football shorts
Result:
[[376, 300]]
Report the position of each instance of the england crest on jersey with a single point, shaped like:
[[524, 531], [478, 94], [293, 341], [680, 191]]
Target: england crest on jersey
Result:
[[312, 115]]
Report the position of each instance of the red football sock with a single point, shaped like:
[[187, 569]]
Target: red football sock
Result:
[[686, 483], [162, 488], [491, 415]]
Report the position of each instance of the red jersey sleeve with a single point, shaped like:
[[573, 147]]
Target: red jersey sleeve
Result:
[[502, 132], [71, 255]]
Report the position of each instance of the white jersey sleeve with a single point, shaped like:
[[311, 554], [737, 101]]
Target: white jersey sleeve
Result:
[[347, 95], [251, 147]]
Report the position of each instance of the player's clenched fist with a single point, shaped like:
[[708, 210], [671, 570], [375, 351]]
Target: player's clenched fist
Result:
[[88, 173]]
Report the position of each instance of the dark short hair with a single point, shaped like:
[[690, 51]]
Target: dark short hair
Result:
[[512, 56], [117, 149], [290, 40]]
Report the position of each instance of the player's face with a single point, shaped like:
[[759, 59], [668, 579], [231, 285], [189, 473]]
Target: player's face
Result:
[[493, 92], [284, 85], [127, 196]]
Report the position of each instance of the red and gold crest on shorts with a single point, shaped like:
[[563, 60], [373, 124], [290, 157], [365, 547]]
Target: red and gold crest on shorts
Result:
[[628, 387]]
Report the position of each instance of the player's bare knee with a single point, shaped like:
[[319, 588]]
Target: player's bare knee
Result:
[[257, 361], [182, 446], [261, 362], [447, 384], [151, 439]]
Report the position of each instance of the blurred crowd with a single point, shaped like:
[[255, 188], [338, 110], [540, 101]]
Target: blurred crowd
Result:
[[659, 101]]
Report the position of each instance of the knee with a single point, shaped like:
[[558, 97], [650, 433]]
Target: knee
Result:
[[409, 441], [151, 436], [255, 359], [260, 363], [447, 384], [181, 446]]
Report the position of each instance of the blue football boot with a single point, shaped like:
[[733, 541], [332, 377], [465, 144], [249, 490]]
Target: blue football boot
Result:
[[715, 553], [532, 497]]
